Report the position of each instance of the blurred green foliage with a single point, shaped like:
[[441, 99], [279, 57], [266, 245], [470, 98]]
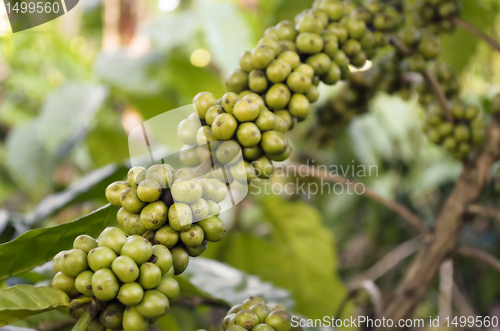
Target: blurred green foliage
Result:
[[65, 111]]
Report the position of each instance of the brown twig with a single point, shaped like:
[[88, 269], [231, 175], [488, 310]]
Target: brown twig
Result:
[[481, 256], [308, 171], [390, 260], [449, 225], [399, 46], [478, 33], [438, 93], [445, 289], [485, 211]]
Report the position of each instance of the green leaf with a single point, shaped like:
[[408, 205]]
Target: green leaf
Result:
[[168, 31], [22, 301], [225, 44], [36, 247], [458, 47], [298, 256], [217, 281], [66, 115], [23, 150], [127, 73]]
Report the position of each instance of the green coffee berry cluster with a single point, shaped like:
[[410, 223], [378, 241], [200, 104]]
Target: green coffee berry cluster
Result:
[[132, 277], [436, 15], [253, 314], [131, 274]]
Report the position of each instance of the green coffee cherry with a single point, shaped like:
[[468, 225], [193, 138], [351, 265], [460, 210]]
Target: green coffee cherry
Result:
[[261, 310], [180, 216], [246, 319], [113, 192], [204, 136], [320, 62], [73, 262], [298, 82], [112, 316], [274, 142], [208, 189], [224, 126], [281, 157], [186, 132], [265, 121], [220, 190], [163, 258], [238, 172], [213, 228], [180, 259], [125, 269], [278, 96], [253, 153], [154, 215], [169, 286], [235, 328], [134, 321], [83, 283], [135, 176], [166, 236], [195, 251], [299, 106], [189, 156], [213, 208], [130, 201], [193, 236], [96, 325], [199, 209], [250, 302], [248, 134], [280, 320], [312, 94], [138, 248], [149, 275], [263, 167], [133, 226], [163, 174], [271, 43], [262, 56], [245, 63], [263, 327], [84, 243], [100, 258], [187, 191], [234, 309], [309, 43], [149, 190], [121, 215], [154, 304], [130, 294], [227, 319], [276, 306], [333, 75], [65, 284], [257, 81], [105, 285], [56, 261], [278, 70], [203, 101], [291, 57], [112, 238], [183, 173], [237, 81], [212, 113], [77, 311], [246, 110], [228, 152]]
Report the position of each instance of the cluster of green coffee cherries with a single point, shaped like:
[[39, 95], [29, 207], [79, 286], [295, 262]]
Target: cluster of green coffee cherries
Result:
[[255, 315], [167, 217], [436, 15], [459, 136]]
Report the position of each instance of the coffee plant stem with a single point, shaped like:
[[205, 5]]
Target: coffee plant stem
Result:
[[443, 242], [438, 92], [480, 255], [485, 211], [83, 322], [478, 33], [413, 220]]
